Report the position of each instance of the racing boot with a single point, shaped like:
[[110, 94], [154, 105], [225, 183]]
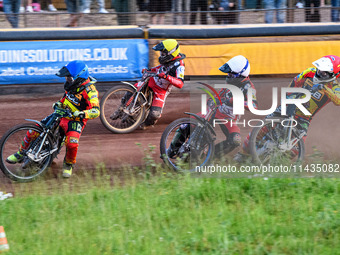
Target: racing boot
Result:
[[223, 148], [302, 125], [67, 170], [179, 138], [117, 114], [15, 158], [241, 157], [171, 152]]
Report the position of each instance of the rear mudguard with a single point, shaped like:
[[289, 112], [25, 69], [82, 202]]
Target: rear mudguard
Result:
[[203, 121], [130, 84]]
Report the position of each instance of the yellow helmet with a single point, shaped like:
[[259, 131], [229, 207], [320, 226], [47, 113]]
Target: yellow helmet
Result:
[[169, 49]]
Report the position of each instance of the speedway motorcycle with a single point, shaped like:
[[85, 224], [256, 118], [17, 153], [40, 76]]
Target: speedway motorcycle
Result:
[[38, 156], [125, 107]]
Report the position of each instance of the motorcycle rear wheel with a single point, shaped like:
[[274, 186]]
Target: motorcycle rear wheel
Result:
[[264, 145], [112, 102]]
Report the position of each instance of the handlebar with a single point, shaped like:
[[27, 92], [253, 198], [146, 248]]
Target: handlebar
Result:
[[147, 74], [61, 112]]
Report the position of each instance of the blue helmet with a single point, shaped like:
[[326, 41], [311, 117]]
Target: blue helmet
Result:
[[76, 72]]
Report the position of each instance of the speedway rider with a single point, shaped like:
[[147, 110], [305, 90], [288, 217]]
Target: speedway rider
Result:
[[81, 97], [170, 73], [237, 70], [322, 77]]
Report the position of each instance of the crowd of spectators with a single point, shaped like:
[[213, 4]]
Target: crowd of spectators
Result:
[[184, 11]]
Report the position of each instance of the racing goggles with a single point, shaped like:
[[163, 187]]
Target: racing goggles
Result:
[[164, 53], [323, 75], [234, 75], [69, 79]]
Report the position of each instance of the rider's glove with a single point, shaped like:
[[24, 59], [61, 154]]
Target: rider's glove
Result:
[[79, 114], [210, 103], [145, 69], [227, 101], [162, 75], [57, 104]]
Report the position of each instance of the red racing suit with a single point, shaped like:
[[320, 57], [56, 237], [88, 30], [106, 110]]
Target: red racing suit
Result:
[[225, 111], [161, 87], [84, 99]]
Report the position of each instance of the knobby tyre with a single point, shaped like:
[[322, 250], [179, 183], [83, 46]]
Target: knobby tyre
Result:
[[26, 170], [264, 145], [113, 101], [186, 158]]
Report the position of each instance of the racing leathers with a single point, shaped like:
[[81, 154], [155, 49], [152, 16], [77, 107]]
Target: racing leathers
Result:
[[320, 98], [225, 111], [84, 99], [172, 75], [329, 93]]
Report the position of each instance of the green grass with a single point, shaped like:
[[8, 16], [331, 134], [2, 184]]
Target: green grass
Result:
[[173, 214]]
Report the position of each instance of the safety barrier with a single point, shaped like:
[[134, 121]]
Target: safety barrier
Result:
[[208, 32], [71, 33]]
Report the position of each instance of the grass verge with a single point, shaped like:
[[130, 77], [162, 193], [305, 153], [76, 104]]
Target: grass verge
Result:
[[174, 214]]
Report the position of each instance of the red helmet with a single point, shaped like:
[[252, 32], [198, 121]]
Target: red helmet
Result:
[[328, 69]]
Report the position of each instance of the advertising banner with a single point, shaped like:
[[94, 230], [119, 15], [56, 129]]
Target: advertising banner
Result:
[[38, 61], [265, 58]]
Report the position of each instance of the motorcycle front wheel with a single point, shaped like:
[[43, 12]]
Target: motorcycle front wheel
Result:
[[25, 169], [185, 146]]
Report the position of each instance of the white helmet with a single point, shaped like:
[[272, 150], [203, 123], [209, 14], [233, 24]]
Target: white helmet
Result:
[[328, 69], [238, 66]]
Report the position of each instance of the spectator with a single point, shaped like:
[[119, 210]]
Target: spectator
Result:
[[12, 9], [157, 9], [258, 4], [312, 15], [178, 6], [335, 10], [223, 17], [275, 4], [122, 6], [299, 4], [47, 5], [75, 9], [142, 5], [28, 6], [194, 6], [101, 4]]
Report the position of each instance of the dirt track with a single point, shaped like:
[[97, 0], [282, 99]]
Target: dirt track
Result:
[[99, 145]]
